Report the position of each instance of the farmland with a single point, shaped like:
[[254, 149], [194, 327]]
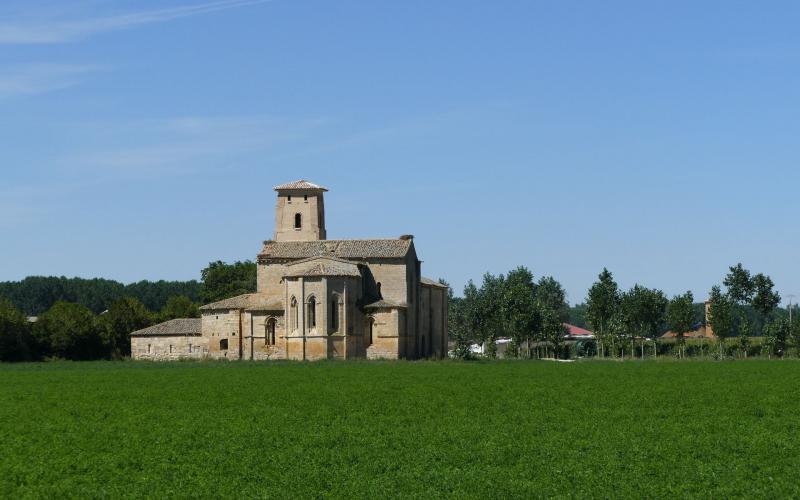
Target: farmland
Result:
[[599, 429]]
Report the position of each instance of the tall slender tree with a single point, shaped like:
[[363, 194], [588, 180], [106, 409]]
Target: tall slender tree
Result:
[[681, 317], [721, 311], [519, 311], [602, 305]]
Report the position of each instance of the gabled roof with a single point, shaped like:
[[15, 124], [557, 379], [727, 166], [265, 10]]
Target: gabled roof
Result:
[[386, 304], [171, 328], [248, 301], [322, 266], [343, 249], [430, 282], [576, 331], [299, 185]]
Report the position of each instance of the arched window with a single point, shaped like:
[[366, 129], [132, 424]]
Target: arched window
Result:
[[371, 332], [270, 332], [334, 314], [223, 345], [298, 221], [312, 312], [293, 314]]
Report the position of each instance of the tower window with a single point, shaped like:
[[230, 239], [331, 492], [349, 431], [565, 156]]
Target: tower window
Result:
[[305, 198], [288, 199], [223, 345], [298, 221]]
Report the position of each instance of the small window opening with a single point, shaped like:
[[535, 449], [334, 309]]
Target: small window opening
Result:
[[334, 315], [371, 329], [312, 312], [305, 198], [294, 316], [223, 345], [289, 199], [149, 348], [298, 221], [270, 333]]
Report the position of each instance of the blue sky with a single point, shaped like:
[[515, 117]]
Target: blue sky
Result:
[[141, 140]]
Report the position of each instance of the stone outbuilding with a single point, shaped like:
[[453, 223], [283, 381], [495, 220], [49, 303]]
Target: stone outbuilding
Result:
[[316, 299]]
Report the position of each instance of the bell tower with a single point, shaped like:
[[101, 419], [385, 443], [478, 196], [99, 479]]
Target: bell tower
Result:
[[300, 212]]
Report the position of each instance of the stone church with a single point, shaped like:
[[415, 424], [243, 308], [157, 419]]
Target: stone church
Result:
[[315, 299]]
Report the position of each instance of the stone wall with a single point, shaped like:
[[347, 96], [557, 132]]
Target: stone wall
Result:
[[220, 328], [166, 348]]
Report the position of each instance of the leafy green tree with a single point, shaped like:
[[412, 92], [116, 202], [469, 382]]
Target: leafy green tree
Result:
[[222, 281], [739, 284], [681, 317], [765, 299], [490, 310], [745, 330], [519, 312], [179, 306], [36, 294], [553, 329], [472, 321], [15, 344], [125, 315], [602, 306], [721, 311], [553, 311], [643, 312], [577, 316], [69, 331], [776, 334]]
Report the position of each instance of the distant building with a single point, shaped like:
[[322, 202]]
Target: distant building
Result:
[[315, 299], [701, 330], [578, 333]]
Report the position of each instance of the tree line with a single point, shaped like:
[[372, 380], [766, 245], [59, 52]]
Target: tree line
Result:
[[83, 319], [625, 322]]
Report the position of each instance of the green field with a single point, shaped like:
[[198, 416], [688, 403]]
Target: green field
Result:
[[593, 429]]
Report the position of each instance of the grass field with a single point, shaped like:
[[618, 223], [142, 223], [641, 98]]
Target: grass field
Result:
[[598, 429]]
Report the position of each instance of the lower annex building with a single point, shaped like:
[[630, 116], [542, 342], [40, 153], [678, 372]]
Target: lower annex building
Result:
[[315, 299]]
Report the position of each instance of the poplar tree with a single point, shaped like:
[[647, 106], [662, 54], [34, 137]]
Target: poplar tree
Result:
[[681, 317], [602, 305]]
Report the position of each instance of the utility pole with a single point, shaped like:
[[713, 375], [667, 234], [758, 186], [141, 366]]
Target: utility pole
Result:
[[790, 307]]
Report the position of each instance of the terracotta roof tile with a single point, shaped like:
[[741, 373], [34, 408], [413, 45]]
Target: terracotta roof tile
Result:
[[343, 249], [249, 301], [300, 185], [173, 327]]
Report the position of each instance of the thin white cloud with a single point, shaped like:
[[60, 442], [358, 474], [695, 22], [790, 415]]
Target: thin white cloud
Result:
[[60, 31], [181, 145], [31, 79]]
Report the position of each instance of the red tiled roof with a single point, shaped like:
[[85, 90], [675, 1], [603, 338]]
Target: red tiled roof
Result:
[[577, 331]]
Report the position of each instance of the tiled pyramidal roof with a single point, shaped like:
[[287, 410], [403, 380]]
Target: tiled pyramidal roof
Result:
[[301, 184], [343, 249]]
